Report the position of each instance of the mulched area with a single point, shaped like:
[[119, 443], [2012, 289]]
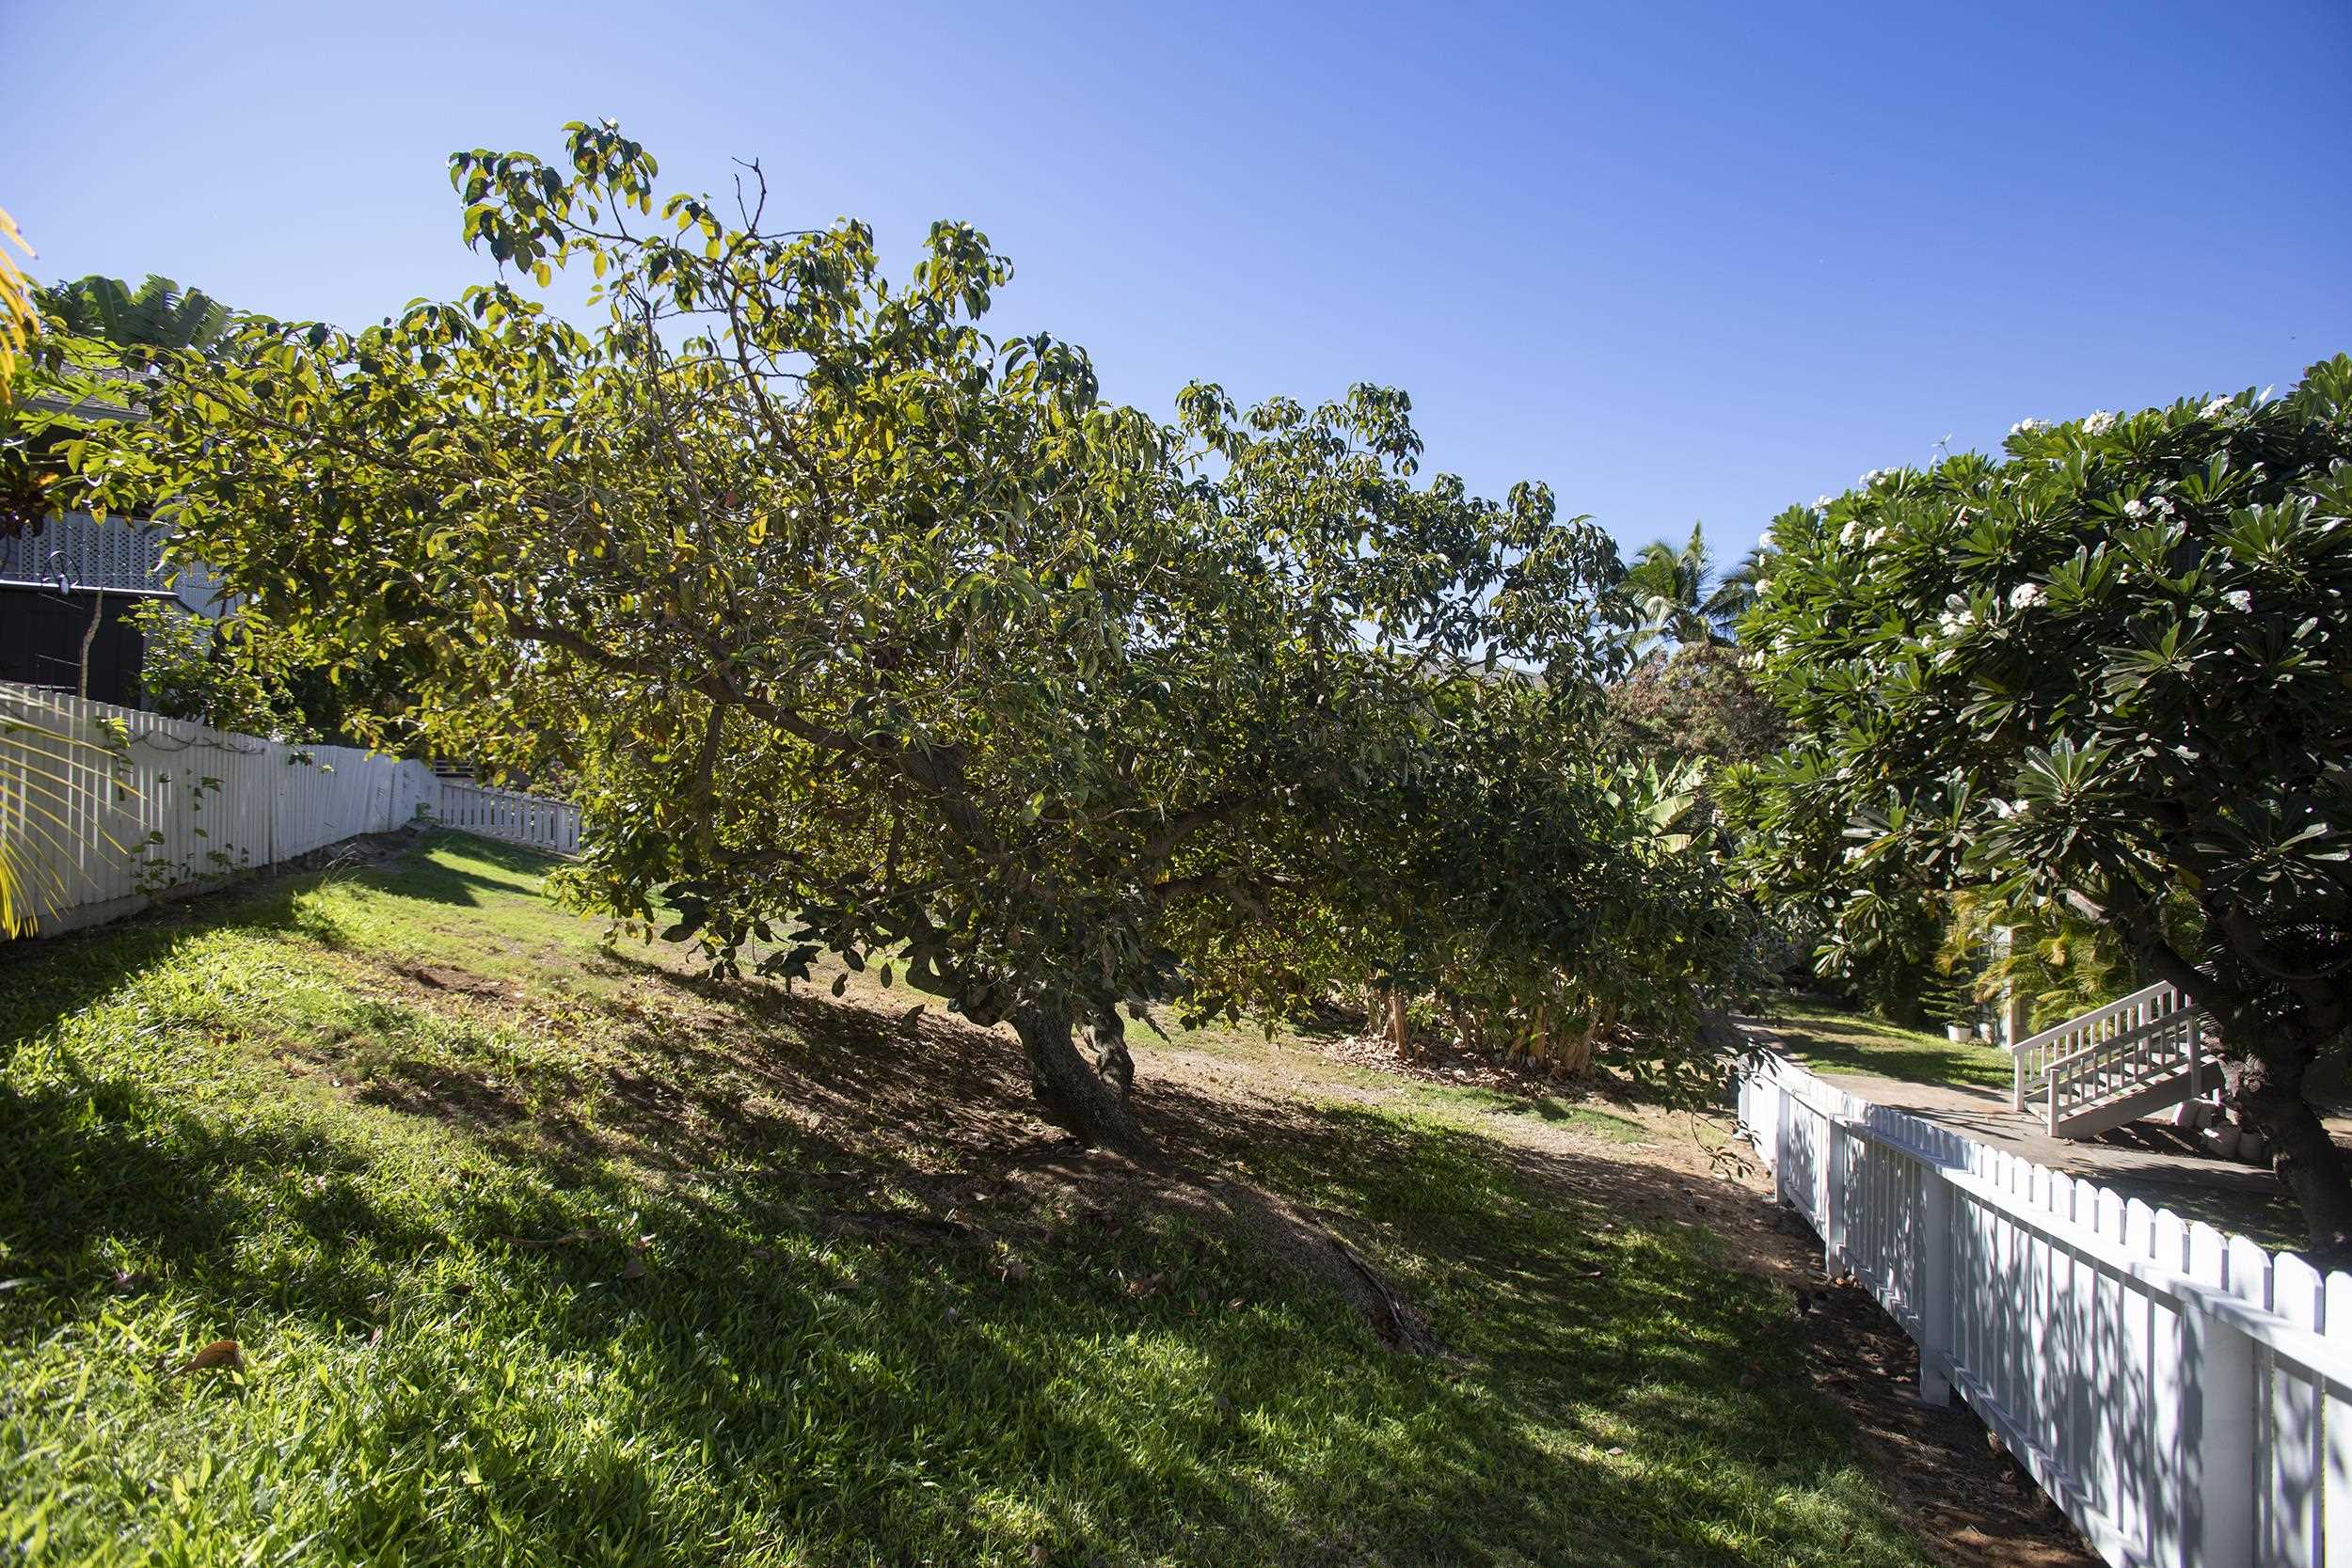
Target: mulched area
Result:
[[1430, 1062], [1970, 1502]]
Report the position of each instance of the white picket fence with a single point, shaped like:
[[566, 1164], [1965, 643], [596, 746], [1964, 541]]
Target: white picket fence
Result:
[[104, 807], [507, 814], [2185, 1396]]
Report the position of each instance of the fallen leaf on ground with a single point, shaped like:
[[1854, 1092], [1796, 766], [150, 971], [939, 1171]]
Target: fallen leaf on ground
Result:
[[220, 1352]]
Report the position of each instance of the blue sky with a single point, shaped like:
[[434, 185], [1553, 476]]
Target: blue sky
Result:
[[1681, 261]]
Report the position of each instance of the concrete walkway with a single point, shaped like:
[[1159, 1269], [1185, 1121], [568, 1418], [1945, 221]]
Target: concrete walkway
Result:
[[1986, 1117], [2244, 1199]]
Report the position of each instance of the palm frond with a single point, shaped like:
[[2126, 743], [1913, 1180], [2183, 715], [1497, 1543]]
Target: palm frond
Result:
[[1670, 592], [18, 316], [159, 314], [58, 787]]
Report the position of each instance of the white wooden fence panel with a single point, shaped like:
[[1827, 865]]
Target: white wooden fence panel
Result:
[[506, 813], [2185, 1397], [95, 825], [2334, 1506]]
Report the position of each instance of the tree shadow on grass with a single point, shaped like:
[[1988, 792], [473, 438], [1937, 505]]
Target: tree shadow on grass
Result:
[[434, 879], [45, 980], [103, 1169], [773, 1373], [1276, 1431], [1858, 1045]]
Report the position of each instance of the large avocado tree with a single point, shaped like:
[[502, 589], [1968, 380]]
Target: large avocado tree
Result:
[[859, 630], [2110, 675]]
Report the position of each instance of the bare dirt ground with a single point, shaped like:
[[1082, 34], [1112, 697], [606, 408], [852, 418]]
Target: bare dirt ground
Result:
[[1974, 1506]]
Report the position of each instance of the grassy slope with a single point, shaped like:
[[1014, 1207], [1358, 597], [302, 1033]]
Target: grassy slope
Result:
[[1839, 1041], [547, 1262]]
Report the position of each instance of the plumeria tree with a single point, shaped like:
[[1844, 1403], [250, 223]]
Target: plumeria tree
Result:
[[2110, 674], [861, 630]]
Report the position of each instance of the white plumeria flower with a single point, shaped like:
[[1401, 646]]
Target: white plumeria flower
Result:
[[2099, 423], [1820, 504], [1846, 535], [2026, 427], [2025, 595], [1870, 539], [2219, 406], [2239, 600], [2135, 508]]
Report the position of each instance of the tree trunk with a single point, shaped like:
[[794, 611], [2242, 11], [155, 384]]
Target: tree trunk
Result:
[[1072, 1093], [1399, 1036], [89, 636], [1574, 1058], [2265, 1060], [2268, 1092]]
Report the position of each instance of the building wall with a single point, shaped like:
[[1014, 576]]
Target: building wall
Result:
[[76, 551], [40, 641]]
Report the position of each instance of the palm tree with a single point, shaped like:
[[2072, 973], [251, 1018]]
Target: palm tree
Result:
[[157, 314], [1675, 593], [1735, 590]]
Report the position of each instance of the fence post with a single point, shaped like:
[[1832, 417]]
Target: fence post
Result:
[[1937, 1245], [2216, 1390], [2216, 1440], [1833, 1181], [1780, 1137], [2196, 1064]]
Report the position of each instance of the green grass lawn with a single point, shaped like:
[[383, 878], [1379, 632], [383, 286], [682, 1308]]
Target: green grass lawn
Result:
[[537, 1251], [1834, 1040]]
